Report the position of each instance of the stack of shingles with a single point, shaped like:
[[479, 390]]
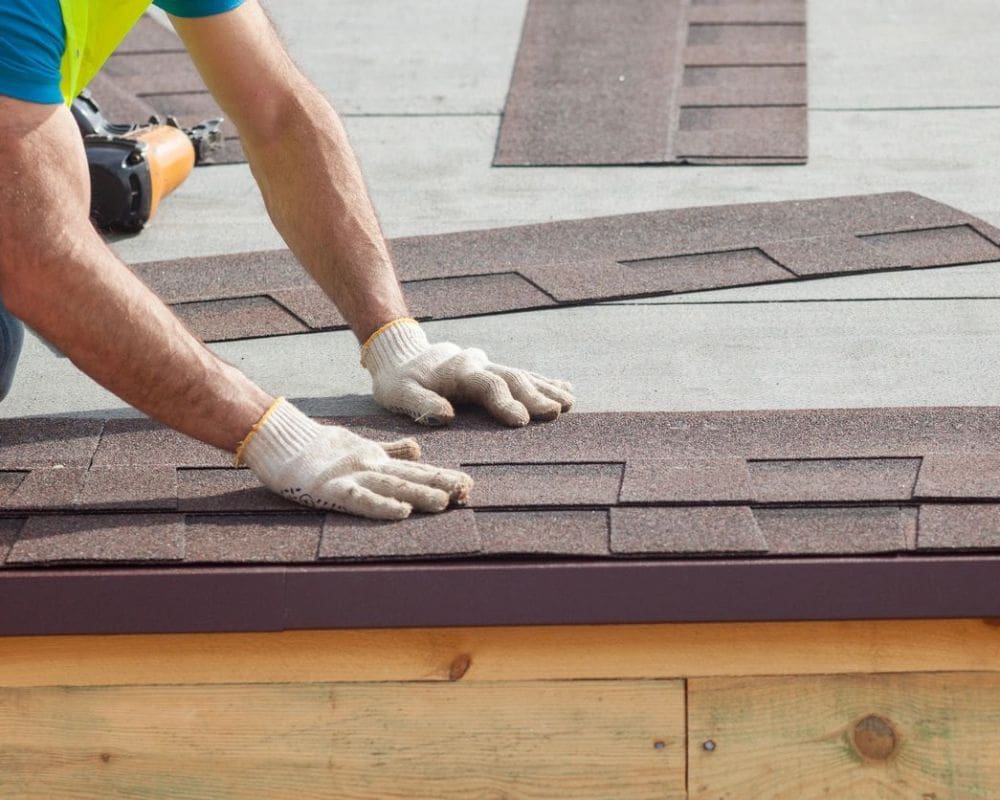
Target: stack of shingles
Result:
[[658, 81], [591, 485], [575, 261], [152, 74]]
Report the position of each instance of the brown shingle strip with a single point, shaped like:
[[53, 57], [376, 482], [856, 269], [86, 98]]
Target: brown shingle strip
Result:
[[237, 318], [128, 488], [46, 441], [574, 261], [565, 533], [780, 93], [833, 480], [51, 488], [960, 244], [134, 442], [205, 490], [501, 485], [962, 475], [594, 83], [99, 538], [9, 481], [801, 531], [747, 11], [267, 538], [605, 83], [9, 531], [686, 480], [421, 536], [153, 73], [685, 530], [953, 526]]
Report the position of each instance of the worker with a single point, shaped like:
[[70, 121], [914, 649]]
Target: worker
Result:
[[59, 277]]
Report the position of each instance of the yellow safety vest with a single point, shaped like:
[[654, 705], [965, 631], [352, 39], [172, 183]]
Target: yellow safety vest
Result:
[[94, 28]]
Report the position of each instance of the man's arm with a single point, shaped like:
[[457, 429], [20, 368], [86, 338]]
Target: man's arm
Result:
[[301, 158], [58, 276], [315, 194]]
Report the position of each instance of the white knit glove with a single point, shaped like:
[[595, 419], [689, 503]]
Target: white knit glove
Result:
[[328, 467], [413, 377]]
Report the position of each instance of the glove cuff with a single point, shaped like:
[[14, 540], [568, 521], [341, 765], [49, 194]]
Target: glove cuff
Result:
[[393, 344], [281, 434]]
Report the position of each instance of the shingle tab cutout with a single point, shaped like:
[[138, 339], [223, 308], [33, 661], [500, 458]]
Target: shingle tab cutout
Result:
[[742, 484], [657, 82], [151, 73], [587, 260]]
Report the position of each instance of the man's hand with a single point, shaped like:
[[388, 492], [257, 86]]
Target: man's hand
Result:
[[328, 467], [413, 377]]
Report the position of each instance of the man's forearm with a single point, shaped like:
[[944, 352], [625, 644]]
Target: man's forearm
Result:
[[59, 277], [316, 196]]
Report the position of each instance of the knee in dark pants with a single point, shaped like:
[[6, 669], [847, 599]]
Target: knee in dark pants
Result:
[[11, 339]]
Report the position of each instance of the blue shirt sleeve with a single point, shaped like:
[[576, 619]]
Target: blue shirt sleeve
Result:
[[32, 40], [197, 8]]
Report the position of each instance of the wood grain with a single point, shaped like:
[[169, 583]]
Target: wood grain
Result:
[[920, 736], [574, 739], [515, 653]]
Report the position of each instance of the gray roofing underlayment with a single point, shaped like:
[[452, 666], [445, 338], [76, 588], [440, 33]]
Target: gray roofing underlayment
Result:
[[658, 82], [754, 496], [579, 261]]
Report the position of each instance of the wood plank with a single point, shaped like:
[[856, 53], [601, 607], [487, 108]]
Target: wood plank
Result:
[[515, 653], [574, 739], [921, 736]]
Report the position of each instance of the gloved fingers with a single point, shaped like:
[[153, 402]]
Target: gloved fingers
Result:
[[407, 449], [420, 496], [491, 392], [350, 496], [550, 389], [419, 403], [456, 484], [566, 386], [522, 388]]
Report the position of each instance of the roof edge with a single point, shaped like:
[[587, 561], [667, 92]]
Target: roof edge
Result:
[[267, 598]]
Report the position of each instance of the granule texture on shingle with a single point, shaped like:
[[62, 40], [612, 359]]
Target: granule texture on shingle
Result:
[[237, 318], [247, 539], [49, 488], [420, 535], [131, 442], [958, 244], [682, 530], [959, 526], [544, 484], [564, 532], [218, 490], [9, 481], [833, 480], [802, 531], [964, 475], [99, 538], [127, 488], [686, 480], [47, 441], [9, 530]]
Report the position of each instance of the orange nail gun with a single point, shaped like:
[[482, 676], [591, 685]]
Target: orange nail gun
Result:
[[134, 166]]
